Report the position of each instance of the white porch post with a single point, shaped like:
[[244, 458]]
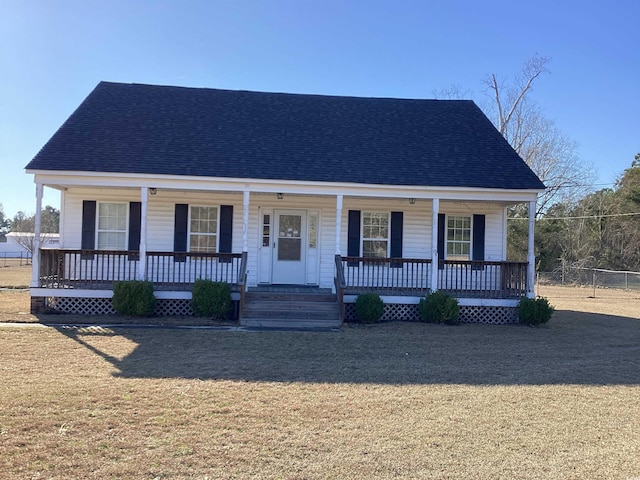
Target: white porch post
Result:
[[435, 209], [531, 255], [144, 201], [245, 221], [338, 222], [35, 254]]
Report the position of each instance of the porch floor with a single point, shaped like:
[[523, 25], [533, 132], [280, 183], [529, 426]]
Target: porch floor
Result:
[[275, 288], [418, 292]]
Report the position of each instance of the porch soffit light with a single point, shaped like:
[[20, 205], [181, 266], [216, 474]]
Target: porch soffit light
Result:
[[153, 191], [280, 196]]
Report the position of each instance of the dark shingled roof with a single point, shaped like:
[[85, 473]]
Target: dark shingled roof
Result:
[[146, 129]]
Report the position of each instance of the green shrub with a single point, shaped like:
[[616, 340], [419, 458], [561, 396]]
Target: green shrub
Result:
[[369, 308], [211, 299], [534, 311], [439, 307], [134, 297]]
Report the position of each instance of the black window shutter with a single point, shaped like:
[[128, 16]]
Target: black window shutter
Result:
[[353, 235], [180, 230], [88, 241], [225, 242], [135, 225], [396, 238], [478, 237], [442, 227]]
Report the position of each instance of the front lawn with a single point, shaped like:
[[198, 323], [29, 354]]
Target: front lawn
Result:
[[398, 400]]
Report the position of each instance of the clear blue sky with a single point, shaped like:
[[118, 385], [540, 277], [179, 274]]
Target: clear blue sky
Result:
[[53, 53]]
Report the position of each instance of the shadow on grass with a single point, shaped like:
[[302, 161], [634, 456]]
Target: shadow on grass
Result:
[[575, 348]]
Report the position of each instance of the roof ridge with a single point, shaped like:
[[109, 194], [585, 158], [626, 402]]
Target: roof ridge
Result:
[[292, 94]]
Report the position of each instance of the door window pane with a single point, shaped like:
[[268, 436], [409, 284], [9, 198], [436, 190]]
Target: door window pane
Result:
[[290, 237], [266, 230], [313, 231], [289, 249]]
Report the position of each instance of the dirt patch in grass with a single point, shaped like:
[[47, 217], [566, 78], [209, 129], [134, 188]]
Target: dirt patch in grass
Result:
[[399, 400]]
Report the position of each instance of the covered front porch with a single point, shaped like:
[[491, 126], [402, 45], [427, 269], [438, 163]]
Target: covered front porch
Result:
[[402, 258], [73, 273]]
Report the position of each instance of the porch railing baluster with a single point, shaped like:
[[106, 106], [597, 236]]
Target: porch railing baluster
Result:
[[395, 276], [98, 269]]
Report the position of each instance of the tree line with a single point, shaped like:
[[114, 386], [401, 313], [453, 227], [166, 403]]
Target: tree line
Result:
[[22, 222], [24, 225], [600, 230]]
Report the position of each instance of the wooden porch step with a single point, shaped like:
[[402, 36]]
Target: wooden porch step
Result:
[[289, 323], [286, 309]]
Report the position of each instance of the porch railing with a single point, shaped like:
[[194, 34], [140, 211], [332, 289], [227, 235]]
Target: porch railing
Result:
[[340, 284], [403, 276], [483, 279], [98, 269], [175, 270], [242, 282], [391, 275]]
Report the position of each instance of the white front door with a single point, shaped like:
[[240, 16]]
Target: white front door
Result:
[[289, 252]]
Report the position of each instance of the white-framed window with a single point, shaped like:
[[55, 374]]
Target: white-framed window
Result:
[[112, 226], [458, 237], [375, 234], [203, 229]]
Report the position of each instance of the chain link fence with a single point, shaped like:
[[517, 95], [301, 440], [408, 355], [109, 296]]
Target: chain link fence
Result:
[[8, 259], [591, 277]]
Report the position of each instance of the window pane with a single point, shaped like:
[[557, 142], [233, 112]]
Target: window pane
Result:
[[112, 226], [203, 229], [202, 243], [375, 234], [111, 241], [458, 237], [112, 216], [374, 248], [313, 231]]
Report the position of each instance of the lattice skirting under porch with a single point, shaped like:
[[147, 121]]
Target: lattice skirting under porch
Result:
[[182, 307], [103, 306], [468, 314]]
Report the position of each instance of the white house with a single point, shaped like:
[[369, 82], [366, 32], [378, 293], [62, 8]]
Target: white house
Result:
[[285, 193], [15, 244]]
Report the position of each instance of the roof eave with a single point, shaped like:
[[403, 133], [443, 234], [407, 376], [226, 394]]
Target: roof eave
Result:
[[65, 179]]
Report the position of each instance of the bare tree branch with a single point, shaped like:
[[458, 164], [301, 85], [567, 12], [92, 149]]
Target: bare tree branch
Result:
[[550, 154]]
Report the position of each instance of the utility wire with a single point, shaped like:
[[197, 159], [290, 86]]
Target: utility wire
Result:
[[579, 217]]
